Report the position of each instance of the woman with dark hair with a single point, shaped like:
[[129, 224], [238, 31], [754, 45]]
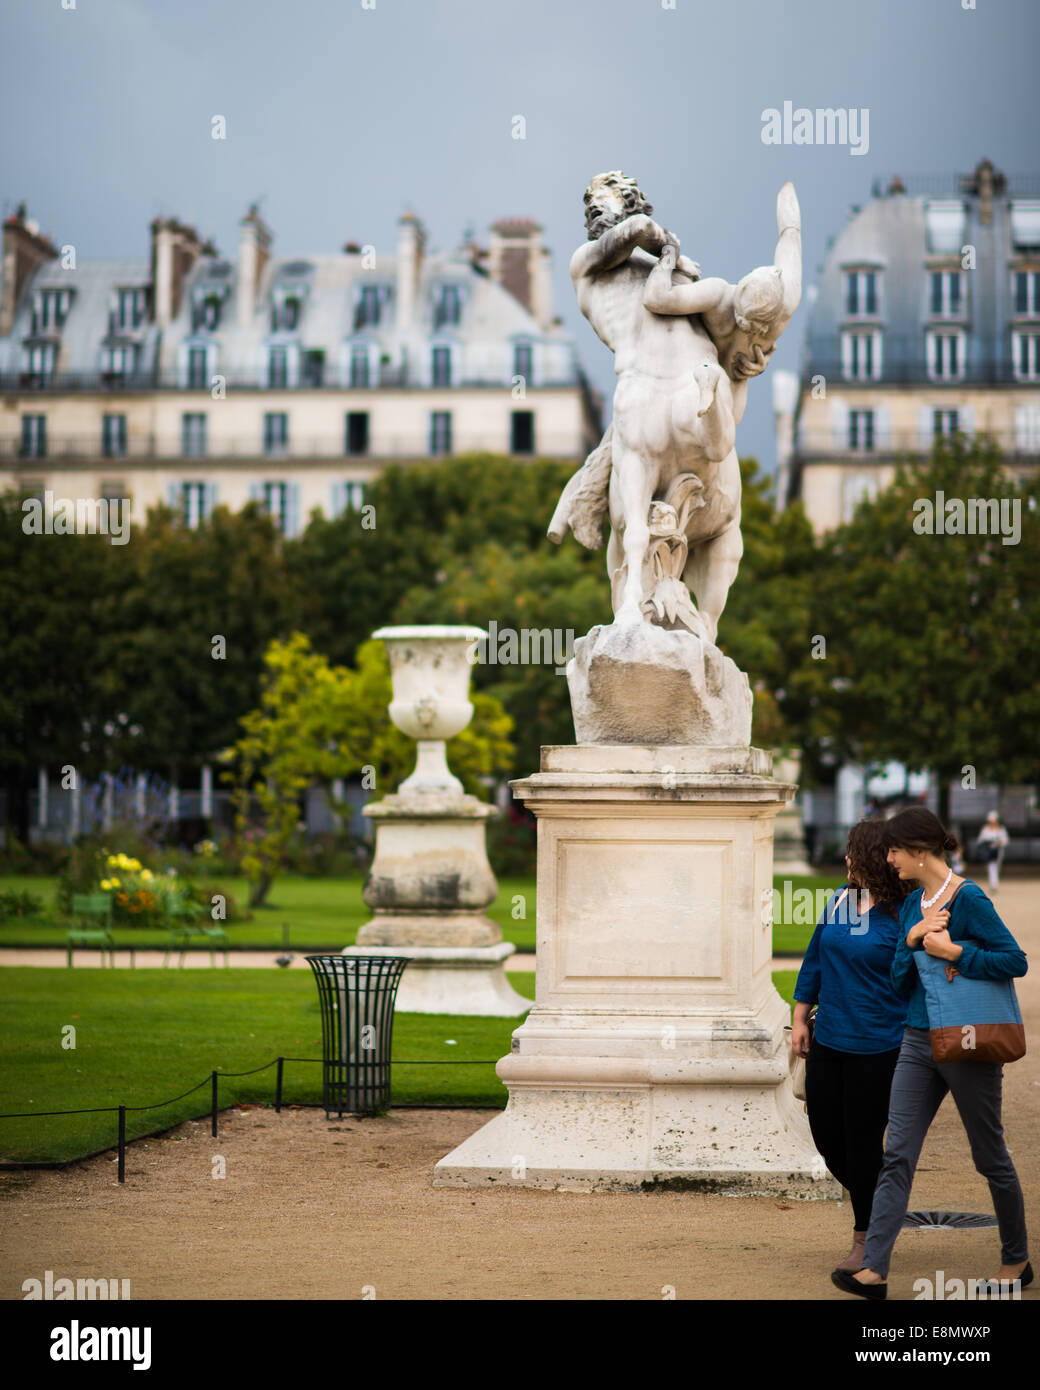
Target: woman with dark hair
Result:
[[853, 1049], [970, 934]]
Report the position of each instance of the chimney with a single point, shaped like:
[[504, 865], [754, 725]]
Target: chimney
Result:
[[521, 265], [24, 251], [411, 243], [254, 252], [175, 249]]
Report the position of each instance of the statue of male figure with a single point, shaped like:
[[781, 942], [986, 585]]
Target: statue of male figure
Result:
[[675, 407]]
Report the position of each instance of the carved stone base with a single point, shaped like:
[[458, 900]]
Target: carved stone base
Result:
[[655, 1054], [643, 684]]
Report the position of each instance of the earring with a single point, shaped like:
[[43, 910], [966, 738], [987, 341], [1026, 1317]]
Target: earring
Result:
[[920, 863]]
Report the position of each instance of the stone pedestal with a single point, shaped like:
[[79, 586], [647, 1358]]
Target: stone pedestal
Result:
[[655, 1054]]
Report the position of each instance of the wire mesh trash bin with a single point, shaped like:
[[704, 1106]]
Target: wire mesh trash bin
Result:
[[357, 995]]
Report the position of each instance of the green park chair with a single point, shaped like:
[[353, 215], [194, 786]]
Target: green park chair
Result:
[[92, 914], [185, 926]]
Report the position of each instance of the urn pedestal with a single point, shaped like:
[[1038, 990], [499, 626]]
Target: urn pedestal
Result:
[[655, 1054], [430, 879]]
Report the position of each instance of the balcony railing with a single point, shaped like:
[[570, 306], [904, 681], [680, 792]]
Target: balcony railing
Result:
[[827, 444], [305, 449], [898, 369], [330, 378]]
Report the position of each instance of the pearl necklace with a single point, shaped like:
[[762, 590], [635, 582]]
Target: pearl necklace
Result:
[[927, 902]]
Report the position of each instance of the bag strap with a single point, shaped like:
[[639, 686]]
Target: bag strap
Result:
[[950, 899]]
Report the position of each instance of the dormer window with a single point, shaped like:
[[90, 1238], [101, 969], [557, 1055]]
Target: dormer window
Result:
[[861, 293], [369, 310], [50, 309], [1026, 284], [447, 307], [131, 308], [118, 363], [286, 308], [207, 307], [947, 296]]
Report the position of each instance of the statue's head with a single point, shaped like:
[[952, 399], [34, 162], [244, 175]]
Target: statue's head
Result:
[[609, 199], [758, 301]]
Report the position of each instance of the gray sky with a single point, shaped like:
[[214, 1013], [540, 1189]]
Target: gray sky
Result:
[[340, 117]]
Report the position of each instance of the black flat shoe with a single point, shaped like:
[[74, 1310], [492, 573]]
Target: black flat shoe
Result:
[[848, 1284], [993, 1286]]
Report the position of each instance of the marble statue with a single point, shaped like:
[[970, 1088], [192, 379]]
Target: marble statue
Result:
[[684, 349]]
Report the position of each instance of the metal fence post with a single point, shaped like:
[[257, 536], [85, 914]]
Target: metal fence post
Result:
[[278, 1087], [213, 1115], [121, 1143]]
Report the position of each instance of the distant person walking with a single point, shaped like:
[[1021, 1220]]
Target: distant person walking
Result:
[[993, 841], [852, 1050]]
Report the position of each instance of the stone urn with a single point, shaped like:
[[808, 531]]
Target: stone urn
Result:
[[430, 668]]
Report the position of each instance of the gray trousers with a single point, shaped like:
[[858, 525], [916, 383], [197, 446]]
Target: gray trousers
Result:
[[918, 1089]]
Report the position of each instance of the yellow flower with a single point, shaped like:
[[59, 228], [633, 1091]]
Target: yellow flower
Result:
[[112, 861], [134, 864], [106, 884], [146, 875], [114, 883]]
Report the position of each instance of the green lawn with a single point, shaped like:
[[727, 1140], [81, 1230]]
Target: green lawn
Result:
[[325, 914], [149, 1036]]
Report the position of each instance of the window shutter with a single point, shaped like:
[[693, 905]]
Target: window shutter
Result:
[[925, 426], [292, 510], [339, 498], [840, 424], [966, 419], [256, 492], [882, 428], [212, 492]]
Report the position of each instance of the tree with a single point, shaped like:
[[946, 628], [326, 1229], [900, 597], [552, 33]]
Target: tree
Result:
[[317, 722], [931, 635]]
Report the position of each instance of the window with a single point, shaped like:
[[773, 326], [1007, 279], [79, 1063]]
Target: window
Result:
[[206, 313], [861, 287], [1027, 292], [114, 490], [440, 370], [369, 306], [440, 432], [113, 436], [1025, 225], [276, 433], [40, 364], [946, 356], [855, 487], [944, 225], [945, 423], [51, 309], [285, 313], [193, 503], [861, 430], [277, 367], [357, 432], [197, 369], [1027, 429], [523, 361], [193, 435], [861, 356], [353, 496], [118, 363], [131, 307], [359, 374], [34, 437], [31, 487], [313, 367], [448, 306], [276, 500], [521, 432], [1025, 348], [946, 288]]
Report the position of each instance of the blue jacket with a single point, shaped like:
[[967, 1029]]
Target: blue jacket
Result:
[[989, 951], [846, 972]]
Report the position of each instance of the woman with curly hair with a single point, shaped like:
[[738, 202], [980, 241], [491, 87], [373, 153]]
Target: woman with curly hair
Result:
[[852, 1051]]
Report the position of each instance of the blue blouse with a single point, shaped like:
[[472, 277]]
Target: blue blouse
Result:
[[989, 951], [846, 971]]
